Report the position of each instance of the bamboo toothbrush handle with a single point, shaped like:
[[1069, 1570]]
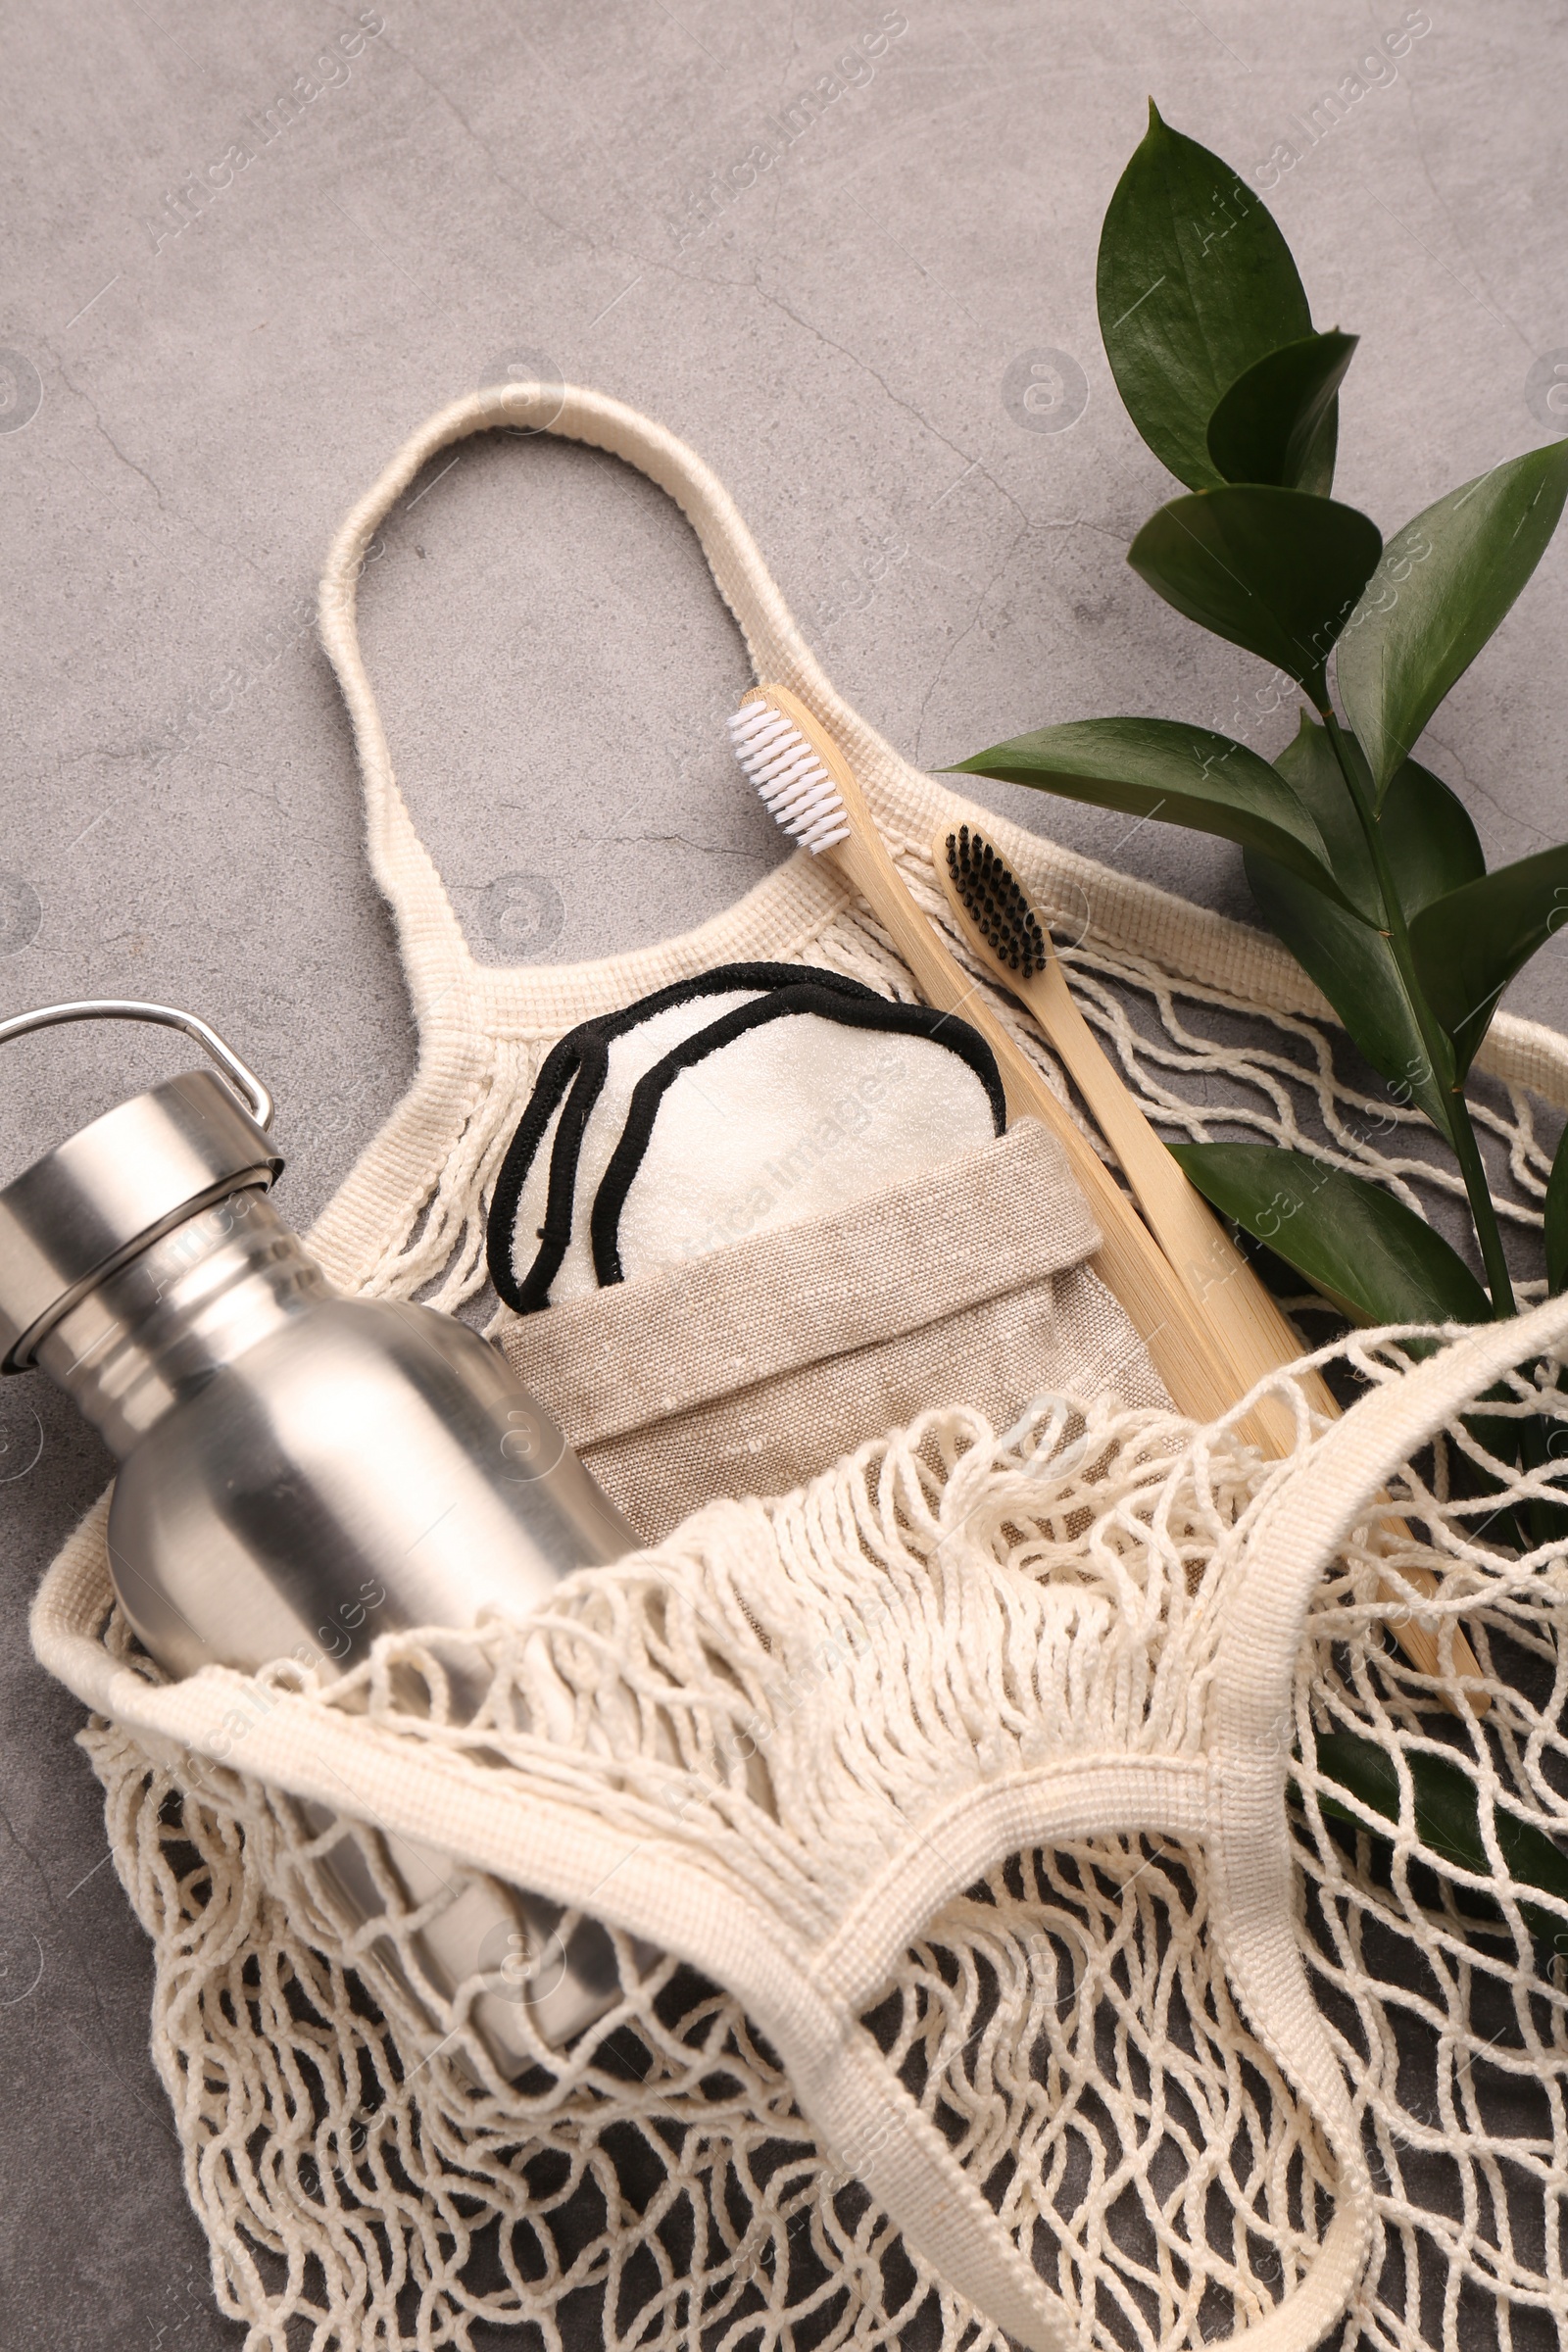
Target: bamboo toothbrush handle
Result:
[[1129, 1260], [1256, 1335], [1252, 1329]]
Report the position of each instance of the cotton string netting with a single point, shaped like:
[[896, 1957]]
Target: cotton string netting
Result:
[[786, 1693], [1068, 2022]]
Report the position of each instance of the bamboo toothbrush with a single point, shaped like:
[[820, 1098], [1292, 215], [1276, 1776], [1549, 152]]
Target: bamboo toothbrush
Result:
[[810, 791], [808, 788], [1007, 935], [992, 912]]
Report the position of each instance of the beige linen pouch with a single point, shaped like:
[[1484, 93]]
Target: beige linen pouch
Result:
[[749, 1370]]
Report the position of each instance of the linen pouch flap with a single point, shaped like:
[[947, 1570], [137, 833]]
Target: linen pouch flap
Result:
[[892, 1247]]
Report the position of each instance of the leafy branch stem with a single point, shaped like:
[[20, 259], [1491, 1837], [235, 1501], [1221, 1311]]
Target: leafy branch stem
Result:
[[1462, 1129]]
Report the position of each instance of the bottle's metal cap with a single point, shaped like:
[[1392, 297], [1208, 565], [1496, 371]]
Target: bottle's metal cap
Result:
[[105, 1193], [99, 1198]]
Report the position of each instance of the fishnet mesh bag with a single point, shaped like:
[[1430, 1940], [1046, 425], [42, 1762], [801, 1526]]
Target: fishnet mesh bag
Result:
[[1025, 1968]]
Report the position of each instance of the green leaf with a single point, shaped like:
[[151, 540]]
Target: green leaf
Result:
[[1557, 1219], [1468, 945], [1195, 283], [1353, 964], [1428, 839], [1317, 463], [1312, 772], [1278, 572], [1270, 426], [1447, 1819], [1368, 1253], [1444, 585], [1163, 767], [1431, 847]]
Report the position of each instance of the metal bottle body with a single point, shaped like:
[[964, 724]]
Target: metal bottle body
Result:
[[301, 1472], [282, 1446]]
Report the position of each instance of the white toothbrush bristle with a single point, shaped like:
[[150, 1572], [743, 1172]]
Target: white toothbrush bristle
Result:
[[794, 787]]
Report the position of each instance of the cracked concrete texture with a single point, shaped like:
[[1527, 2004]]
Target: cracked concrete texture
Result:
[[181, 820]]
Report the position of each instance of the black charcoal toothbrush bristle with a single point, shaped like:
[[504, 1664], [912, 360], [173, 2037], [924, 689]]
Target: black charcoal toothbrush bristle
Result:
[[996, 904]]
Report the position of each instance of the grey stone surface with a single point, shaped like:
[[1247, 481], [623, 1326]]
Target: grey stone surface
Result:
[[197, 386]]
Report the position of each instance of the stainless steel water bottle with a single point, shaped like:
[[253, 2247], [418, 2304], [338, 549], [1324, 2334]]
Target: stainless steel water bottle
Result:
[[299, 1471]]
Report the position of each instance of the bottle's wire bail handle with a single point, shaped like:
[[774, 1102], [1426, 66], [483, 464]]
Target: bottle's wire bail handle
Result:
[[253, 1094]]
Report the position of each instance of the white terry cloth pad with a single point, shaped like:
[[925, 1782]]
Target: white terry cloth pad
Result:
[[539, 1248], [600, 1098], [784, 1110]]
